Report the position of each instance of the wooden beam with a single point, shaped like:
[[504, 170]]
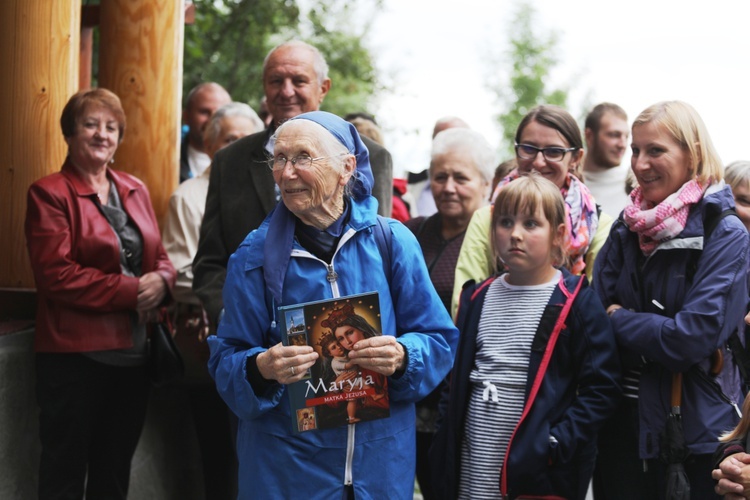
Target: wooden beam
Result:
[[140, 59], [39, 47]]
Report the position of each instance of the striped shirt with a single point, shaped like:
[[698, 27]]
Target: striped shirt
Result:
[[507, 325], [630, 383]]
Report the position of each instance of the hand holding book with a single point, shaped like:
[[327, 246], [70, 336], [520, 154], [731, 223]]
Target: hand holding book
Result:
[[286, 364], [339, 386], [383, 354]]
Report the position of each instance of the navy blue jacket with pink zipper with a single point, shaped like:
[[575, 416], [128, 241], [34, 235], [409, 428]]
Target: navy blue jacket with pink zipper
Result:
[[579, 389]]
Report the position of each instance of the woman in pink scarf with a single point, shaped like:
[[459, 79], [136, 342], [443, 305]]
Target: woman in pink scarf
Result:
[[672, 276], [548, 142]]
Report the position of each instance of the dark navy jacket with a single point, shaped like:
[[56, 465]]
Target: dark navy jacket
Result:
[[579, 391], [699, 314]]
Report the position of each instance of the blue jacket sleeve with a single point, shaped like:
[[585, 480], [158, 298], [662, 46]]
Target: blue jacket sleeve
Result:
[[246, 329], [712, 309]]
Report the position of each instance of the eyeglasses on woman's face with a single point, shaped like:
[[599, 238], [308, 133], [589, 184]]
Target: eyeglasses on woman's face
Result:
[[529, 152], [299, 162]]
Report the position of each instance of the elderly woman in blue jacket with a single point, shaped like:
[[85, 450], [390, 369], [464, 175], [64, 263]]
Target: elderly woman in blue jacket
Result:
[[672, 276], [321, 242]]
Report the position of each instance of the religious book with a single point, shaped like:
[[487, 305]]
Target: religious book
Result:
[[334, 391]]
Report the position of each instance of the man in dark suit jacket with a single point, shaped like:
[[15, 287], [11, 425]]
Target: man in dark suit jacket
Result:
[[241, 189]]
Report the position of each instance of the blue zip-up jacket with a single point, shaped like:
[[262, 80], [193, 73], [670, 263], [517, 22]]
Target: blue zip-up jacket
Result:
[[670, 323], [579, 391], [377, 457]]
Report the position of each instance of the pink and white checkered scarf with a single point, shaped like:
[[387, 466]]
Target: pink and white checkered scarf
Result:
[[666, 220]]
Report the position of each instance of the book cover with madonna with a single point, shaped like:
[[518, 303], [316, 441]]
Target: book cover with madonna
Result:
[[335, 392]]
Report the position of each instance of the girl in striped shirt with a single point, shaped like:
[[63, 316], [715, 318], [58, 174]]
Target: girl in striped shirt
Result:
[[536, 372]]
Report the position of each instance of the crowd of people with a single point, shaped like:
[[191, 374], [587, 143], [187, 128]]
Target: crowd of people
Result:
[[551, 322]]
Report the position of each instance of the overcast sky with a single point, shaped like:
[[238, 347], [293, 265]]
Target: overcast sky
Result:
[[434, 54]]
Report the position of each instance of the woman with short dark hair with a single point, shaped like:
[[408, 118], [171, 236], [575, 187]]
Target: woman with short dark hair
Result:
[[101, 273]]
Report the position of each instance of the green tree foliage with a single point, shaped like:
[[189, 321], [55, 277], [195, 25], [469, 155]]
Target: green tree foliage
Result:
[[352, 68], [228, 41], [230, 38], [532, 57]]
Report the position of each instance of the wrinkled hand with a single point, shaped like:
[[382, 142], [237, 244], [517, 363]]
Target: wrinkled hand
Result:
[[382, 354], [151, 291], [286, 364], [733, 475]]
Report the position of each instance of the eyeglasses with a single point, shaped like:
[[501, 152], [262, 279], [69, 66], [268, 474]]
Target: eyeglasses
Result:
[[301, 162], [529, 152]]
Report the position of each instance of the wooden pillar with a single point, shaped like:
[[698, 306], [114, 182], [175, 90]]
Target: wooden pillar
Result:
[[140, 60], [39, 44]]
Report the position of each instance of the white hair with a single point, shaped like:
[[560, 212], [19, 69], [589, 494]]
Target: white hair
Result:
[[468, 142], [213, 127]]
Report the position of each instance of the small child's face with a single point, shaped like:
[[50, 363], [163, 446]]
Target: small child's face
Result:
[[525, 242], [742, 202], [335, 350]]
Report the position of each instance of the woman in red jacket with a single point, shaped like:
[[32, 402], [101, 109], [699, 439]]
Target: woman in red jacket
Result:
[[101, 273]]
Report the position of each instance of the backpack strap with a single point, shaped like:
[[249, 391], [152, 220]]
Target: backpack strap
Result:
[[710, 222], [741, 358], [713, 219], [384, 240]]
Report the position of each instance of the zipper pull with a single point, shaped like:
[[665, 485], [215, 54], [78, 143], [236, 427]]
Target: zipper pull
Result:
[[332, 276], [657, 304], [737, 409]]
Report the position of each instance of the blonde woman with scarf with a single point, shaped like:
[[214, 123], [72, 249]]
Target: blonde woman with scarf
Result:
[[672, 276], [549, 142]]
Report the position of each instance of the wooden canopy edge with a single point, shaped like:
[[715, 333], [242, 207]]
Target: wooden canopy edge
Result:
[[90, 15]]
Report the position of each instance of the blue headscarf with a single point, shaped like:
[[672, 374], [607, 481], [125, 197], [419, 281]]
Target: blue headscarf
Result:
[[277, 248]]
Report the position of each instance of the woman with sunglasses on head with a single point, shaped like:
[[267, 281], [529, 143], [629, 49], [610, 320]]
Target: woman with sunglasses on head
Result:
[[549, 142]]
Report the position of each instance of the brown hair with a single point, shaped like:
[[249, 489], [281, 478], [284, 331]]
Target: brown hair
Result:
[[524, 196], [557, 118], [367, 128], [85, 99], [502, 172], [594, 118], [325, 341]]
